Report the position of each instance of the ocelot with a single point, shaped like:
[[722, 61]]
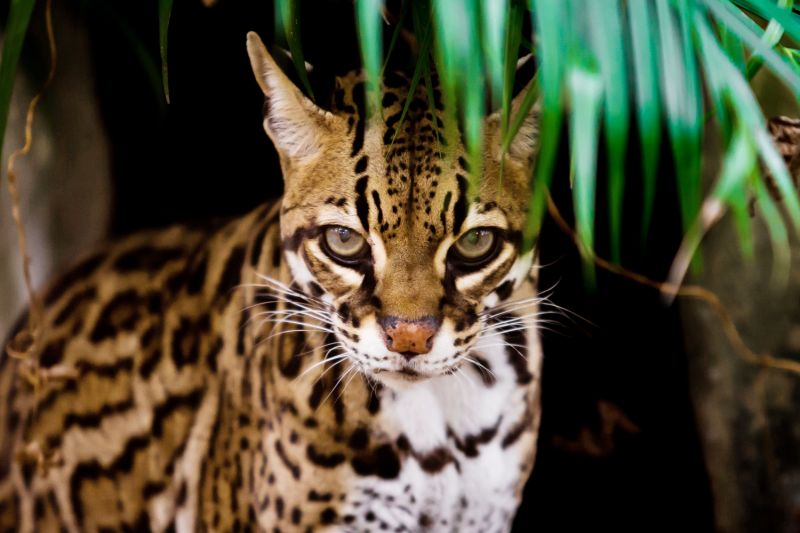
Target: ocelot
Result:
[[360, 355]]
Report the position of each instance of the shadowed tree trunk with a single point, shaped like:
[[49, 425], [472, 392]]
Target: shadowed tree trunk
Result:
[[748, 414]]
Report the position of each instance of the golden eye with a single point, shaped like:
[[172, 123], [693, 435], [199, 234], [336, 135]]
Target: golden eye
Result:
[[343, 243], [475, 245]]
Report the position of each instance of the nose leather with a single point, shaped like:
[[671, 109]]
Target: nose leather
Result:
[[409, 337]]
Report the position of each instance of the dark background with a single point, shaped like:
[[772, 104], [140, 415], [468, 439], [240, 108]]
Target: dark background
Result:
[[205, 155]]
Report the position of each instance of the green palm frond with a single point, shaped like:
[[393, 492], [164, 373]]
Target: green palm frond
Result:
[[604, 67], [612, 66]]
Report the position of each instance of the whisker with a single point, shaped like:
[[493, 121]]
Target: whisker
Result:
[[350, 369], [479, 365], [336, 357], [334, 365], [347, 383]]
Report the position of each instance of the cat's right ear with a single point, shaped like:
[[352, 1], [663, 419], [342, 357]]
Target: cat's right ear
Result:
[[295, 124]]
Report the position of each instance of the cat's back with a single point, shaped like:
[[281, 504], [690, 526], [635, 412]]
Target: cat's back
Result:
[[102, 409]]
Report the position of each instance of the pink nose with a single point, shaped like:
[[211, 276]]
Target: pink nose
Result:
[[410, 338]]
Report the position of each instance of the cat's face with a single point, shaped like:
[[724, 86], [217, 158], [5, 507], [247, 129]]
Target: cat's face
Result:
[[379, 224]]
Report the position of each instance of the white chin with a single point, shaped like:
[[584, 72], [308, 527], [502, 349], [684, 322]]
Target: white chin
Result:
[[398, 380]]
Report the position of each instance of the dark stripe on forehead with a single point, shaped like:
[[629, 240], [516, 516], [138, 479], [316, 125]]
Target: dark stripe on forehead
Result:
[[376, 198], [358, 100], [362, 207], [445, 208], [460, 209]]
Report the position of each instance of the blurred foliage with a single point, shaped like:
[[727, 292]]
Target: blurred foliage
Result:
[[606, 68]]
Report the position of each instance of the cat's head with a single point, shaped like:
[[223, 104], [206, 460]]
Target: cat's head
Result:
[[377, 221]]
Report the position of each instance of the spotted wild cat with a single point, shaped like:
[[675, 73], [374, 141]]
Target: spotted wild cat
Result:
[[360, 355]]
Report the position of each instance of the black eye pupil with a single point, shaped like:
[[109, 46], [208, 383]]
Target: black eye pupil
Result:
[[344, 234]]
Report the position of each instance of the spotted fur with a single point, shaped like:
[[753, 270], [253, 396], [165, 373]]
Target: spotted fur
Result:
[[235, 378]]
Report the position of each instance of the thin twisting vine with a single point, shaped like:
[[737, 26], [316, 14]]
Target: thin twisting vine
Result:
[[26, 344], [687, 291]]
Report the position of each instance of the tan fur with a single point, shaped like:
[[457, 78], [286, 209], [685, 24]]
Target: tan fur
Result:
[[197, 391]]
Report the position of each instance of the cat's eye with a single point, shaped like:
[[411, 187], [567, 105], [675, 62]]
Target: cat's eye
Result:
[[476, 246], [343, 243]]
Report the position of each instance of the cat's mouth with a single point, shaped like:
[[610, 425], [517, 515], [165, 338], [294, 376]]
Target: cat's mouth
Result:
[[405, 374]]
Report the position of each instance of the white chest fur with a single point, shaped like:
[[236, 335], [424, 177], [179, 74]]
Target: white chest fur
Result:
[[461, 473]]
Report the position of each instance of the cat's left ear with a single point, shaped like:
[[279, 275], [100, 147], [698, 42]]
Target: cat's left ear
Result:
[[295, 124], [523, 145]]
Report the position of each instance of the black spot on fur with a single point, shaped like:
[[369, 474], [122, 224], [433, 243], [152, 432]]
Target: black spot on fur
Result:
[[516, 431], [197, 277], [504, 289], [362, 206], [293, 468], [328, 516], [82, 270], [358, 99], [359, 439], [314, 496], [468, 445], [376, 199], [52, 353], [186, 339], [518, 359], [388, 99], [258, 245], [382, 462], [120, 314], [75, 305], [324, 460], [460, 209], [361, 166], [230, 274], [435, 460], [374, 399]]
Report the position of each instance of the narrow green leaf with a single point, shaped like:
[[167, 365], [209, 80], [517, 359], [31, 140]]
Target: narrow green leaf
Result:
[[513, 36], [751, 137], [738, 164], [645, 63], [778, 235], [733, 47], [461, 70], [771, 37], [767, 9], [164, 13], [735, 20], [552, 31], [398, 28], [528, 102], [423, 27], [19, 15], [749, 112], [681, 102], [495, 29], [607, 38], [370, 36], [287, 25], [586, 96], [419, 68]]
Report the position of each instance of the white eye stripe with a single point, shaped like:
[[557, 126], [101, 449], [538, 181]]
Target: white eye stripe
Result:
[[473, 280], [349, 277]]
